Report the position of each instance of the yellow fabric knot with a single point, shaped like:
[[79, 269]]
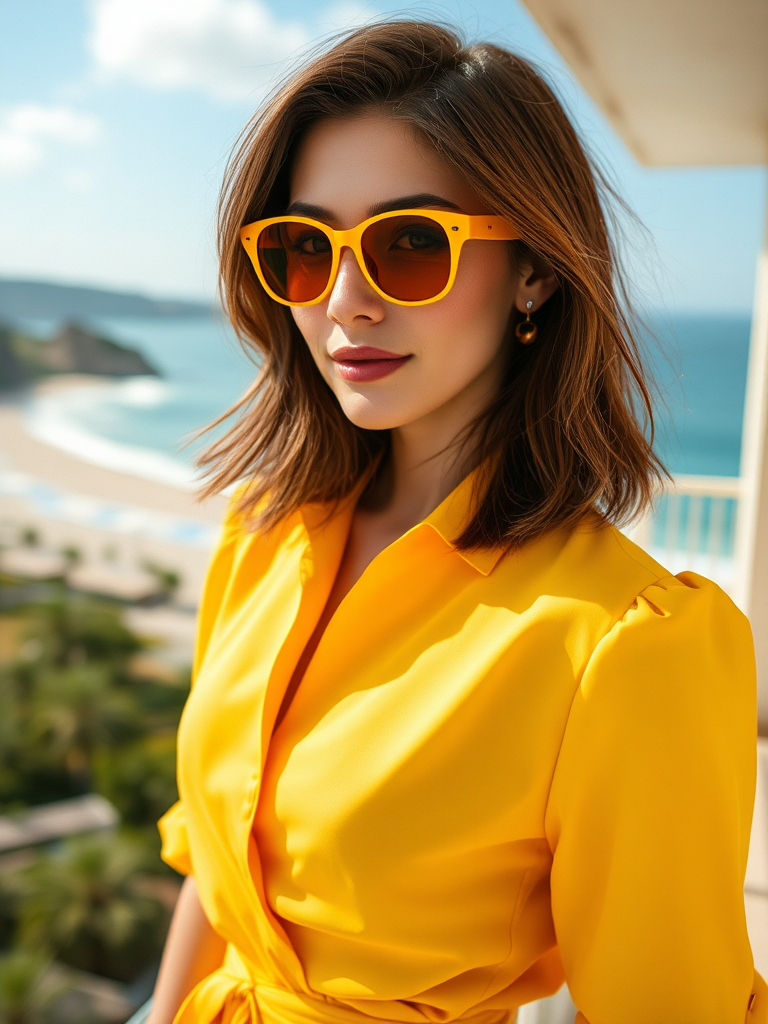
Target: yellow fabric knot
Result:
[[221, 998]]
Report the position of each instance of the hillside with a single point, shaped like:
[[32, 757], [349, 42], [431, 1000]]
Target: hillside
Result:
[[15, 372], [72, 350], [41, 300]]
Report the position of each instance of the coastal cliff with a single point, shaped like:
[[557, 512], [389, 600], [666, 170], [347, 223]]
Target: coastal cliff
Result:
[[72, 349], [76, 350], [14, 372]]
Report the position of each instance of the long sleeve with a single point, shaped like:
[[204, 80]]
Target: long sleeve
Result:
[[172, 826], [649, 816]]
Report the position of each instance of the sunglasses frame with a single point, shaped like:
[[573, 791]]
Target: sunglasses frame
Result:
[[459, 228]]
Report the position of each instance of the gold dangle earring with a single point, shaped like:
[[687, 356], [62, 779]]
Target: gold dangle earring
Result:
[[527, 330]]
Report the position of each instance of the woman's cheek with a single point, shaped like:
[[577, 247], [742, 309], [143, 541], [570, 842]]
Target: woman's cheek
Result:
[[453, 341], [314, 327]]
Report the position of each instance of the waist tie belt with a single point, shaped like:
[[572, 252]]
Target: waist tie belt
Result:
[[224, 998], [220, 997], [228, 998]]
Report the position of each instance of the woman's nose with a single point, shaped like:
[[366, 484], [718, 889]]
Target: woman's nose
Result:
[[352, 299]]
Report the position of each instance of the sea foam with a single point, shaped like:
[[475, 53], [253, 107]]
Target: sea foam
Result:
[[56, 419]]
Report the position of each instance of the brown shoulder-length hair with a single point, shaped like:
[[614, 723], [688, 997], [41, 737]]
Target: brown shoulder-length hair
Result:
[[570, 429]]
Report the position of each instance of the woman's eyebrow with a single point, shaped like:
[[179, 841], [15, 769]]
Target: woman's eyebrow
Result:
[[309, 210], [417, 201]]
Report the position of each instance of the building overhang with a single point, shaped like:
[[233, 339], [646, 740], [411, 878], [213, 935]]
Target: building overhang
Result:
[[682, 82]]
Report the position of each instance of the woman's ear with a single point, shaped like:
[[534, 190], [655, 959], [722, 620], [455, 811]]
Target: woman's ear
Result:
[[537, 281]]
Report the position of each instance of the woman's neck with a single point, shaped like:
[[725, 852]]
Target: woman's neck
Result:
[[423, 470], [429, 458]]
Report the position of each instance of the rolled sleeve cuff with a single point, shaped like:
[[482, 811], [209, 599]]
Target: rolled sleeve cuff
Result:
[[173, 832]]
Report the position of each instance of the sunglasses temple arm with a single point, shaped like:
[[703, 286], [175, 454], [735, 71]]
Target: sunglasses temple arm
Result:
[[495, 228]]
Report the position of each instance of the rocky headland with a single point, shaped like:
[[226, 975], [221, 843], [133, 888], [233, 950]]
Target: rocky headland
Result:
[[73, 349]]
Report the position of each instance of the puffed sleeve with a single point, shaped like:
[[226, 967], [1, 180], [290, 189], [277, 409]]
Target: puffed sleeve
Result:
[[649, 816], [173, 832], [172, 826]]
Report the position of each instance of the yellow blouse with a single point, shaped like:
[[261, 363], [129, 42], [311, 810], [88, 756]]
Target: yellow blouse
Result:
[[500, 771]]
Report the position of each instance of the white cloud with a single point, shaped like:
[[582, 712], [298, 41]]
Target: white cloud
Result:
[[226, 48], [27, 128]]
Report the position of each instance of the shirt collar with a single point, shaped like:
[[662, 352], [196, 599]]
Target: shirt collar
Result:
[[451, 518], [448, 520]]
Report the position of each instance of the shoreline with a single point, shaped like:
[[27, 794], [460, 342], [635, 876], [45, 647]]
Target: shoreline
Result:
[[70, 501], [20, 450], [46, 411]]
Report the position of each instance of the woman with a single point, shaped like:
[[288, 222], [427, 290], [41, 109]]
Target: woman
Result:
[[453, 739]]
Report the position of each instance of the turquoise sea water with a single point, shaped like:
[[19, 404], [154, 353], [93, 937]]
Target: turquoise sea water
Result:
[[699, 364], [139, 425]]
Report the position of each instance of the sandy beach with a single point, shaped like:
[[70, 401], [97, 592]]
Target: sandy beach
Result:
[[111, 517]]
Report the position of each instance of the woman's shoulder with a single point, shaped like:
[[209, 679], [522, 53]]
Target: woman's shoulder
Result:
[[685, 594], [675, 647], [244, 545], [682, 619], [241, 523], [598, 566], [239, 512]]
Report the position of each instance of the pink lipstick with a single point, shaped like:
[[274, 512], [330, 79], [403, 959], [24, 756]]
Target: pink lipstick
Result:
[[360, 364]]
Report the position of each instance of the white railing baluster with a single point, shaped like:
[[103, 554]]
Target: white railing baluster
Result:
[[717, 538], [691, 526], [672, 531]]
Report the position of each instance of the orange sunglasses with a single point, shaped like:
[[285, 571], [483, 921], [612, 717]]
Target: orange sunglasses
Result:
[[409, 257]]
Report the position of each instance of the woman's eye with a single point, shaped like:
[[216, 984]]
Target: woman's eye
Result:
[[418, 238], [312, 245]]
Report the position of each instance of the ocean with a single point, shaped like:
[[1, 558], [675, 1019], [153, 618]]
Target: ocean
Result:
[[140, 425]]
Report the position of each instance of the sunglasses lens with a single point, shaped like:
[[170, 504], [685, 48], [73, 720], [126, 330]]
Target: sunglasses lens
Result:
[[409, 257], [295, 260]]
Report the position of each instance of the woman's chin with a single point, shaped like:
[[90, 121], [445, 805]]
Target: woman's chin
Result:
[[373, 422], [369, 414]]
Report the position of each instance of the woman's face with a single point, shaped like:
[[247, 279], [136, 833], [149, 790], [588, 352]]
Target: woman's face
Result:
[[452, 349]]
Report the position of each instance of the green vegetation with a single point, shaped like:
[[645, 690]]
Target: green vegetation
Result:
[[73, 349], [86, 905], [25, 991], [72, 554], [168, 580], [27, 350], [79, 714], [69, 700]]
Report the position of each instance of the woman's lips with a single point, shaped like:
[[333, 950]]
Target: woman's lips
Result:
[[360, 364]]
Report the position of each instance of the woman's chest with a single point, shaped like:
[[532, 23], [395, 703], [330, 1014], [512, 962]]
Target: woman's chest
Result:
[[434, 702]]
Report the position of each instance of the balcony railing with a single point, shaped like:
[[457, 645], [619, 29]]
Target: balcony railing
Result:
[[693, 526]]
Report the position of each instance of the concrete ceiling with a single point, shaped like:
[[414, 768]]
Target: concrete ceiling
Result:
[[683, 82]]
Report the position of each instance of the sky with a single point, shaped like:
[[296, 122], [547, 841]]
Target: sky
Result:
[[117, 117]]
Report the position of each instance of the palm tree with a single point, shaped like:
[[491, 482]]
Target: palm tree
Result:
[[78, 710], [85, 905], [10, 732], [25, 992], [139, 778], [30, 771], [71, 630]]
